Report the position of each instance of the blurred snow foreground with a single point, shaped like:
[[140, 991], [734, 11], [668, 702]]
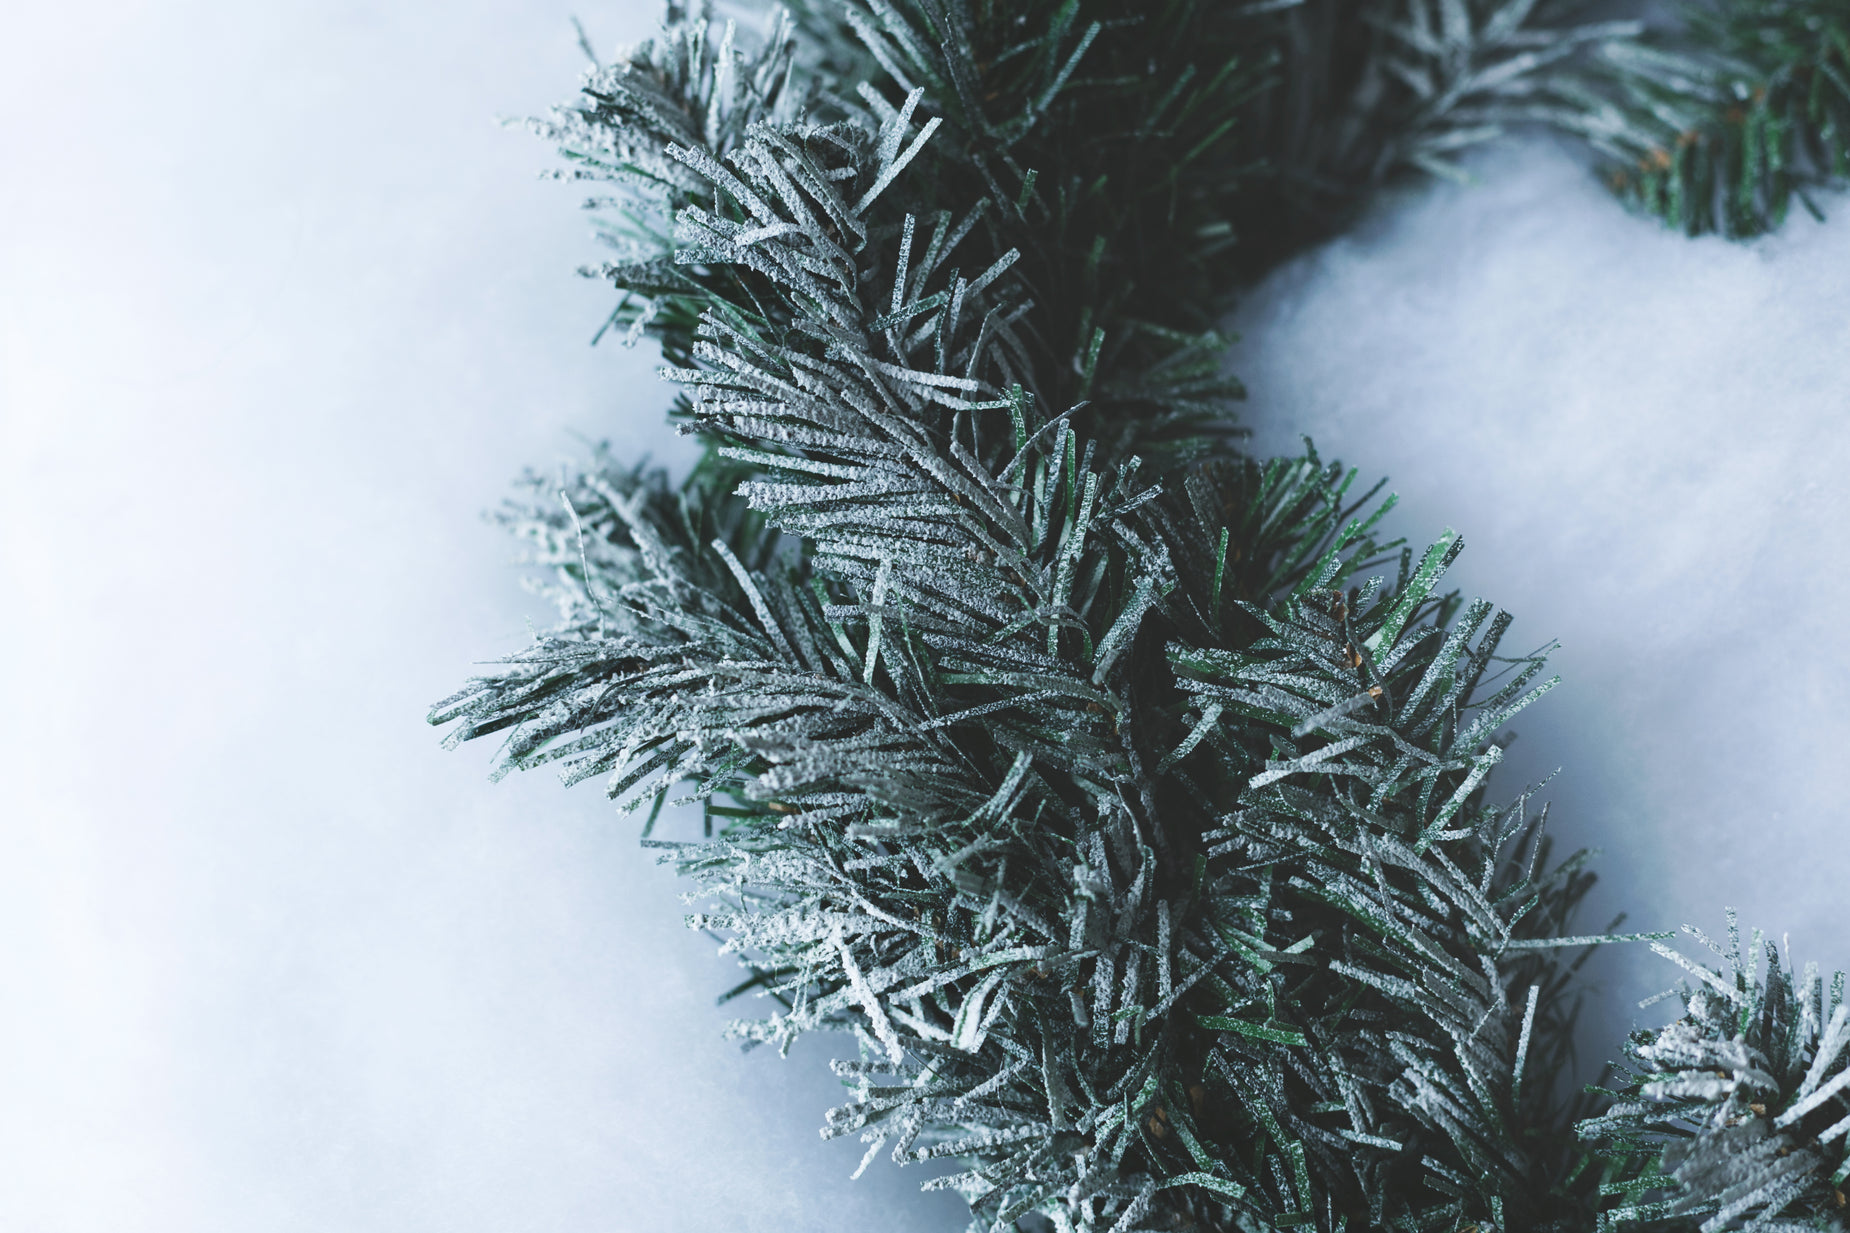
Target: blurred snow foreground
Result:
[[269, 959]]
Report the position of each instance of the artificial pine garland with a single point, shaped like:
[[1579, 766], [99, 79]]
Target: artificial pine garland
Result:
[[1082, 768]]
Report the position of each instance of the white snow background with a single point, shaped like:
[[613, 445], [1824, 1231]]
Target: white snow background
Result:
[[281, 310], [284, 311]]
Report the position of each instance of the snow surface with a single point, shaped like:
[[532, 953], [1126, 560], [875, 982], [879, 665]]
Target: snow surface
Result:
[[281, 311], [1645, 442]]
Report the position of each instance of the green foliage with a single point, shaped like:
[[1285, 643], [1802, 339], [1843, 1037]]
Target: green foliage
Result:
[[1087, 773], [1117, 239], [1367, 89], [1718, 130], [1399, 936], [1736, 1114]]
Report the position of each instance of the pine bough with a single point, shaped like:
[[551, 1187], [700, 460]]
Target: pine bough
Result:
[[1083, 770]]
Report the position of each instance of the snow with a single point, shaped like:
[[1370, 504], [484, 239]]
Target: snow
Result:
[[281, 311], [1643, 441]]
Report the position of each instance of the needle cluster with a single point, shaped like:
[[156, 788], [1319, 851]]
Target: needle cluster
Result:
[[1122, 797]]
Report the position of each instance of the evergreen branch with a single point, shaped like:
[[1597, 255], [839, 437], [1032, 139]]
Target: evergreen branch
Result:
[[1077, 766], [1720, 129], [1735, 1115]]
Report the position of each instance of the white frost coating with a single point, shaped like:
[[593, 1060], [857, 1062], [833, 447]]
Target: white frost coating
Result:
[[870, 1002], [1645, 442]]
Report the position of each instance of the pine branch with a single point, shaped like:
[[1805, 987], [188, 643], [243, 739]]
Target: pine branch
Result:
[[1368, 90], [1720, 128], [1734, 1116], [904, 636], [1079, 768]]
